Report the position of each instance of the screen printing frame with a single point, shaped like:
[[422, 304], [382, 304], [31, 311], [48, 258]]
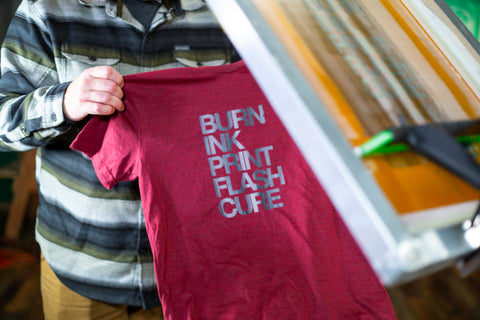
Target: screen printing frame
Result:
[[396, 254]]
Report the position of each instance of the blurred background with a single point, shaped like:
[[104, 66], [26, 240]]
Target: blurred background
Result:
[[442, 295]]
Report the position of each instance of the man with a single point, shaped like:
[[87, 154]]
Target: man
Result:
[[63, 61]]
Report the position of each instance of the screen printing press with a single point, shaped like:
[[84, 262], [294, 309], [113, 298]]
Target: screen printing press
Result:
[[382, 97]]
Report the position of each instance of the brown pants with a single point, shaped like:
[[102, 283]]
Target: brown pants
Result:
[[60, 303]]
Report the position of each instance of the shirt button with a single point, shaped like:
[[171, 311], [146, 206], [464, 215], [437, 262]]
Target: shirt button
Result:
[[54, 117]]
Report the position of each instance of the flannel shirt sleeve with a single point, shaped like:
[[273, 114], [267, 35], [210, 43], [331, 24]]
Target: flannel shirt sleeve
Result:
[[31, 97]]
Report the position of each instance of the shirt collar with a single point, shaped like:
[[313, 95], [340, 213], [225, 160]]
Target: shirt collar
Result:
[[114, 7], [93, 2], [192, 5]]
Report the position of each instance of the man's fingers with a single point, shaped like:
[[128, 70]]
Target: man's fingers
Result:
[[107, 86], [104, 98], [96, 91], [95, 108], [107, 72]]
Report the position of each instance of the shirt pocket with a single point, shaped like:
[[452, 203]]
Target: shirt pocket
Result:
[[198, 57], [75, 59]]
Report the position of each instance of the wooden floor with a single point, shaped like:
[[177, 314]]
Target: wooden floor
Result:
[[444, 295]]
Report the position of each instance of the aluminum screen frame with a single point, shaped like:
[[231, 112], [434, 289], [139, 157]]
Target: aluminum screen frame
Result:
[[394, 253]]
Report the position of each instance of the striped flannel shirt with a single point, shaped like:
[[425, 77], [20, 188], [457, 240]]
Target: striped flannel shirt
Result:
[[95, 240]]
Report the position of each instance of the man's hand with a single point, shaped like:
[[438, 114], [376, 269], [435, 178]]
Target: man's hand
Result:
[[96, 91]]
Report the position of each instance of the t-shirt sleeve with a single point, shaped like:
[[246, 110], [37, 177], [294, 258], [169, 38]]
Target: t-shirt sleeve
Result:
[[112, 143]]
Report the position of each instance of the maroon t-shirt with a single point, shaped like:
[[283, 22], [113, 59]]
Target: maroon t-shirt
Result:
[[239, 226]]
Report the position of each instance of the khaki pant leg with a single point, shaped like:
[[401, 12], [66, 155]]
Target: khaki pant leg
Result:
[[61, 303], [151, 314]]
